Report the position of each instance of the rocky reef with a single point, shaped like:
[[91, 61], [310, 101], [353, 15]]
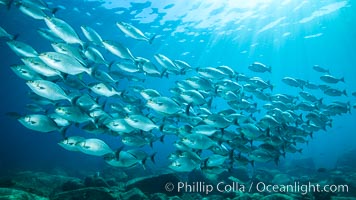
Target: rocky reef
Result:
[[115, 184]]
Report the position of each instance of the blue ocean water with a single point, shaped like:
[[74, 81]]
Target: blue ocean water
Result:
[[290, 36]]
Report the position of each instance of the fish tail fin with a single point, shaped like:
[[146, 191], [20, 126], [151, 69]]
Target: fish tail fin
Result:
[[342, 79], [255, 105], [14, 37], [152, 38], [187, 109], [330, 124], [349, 104], [8, 5], [14, 115], [284, 154], [110, 65], [344, 92], [151, 143], [308, 122], [320, 101], [143, 163], [236, 122], [63, 76], [164, 72], [63, 131], [152, 157], [300, 117], [161, 138], [161, 127], [231, 155], [252, 162], [268, 132], [300, 150], [276, 161], [210, 102], [270, 69], [117, 152], [84, 46], [311, 135], [54, 10]]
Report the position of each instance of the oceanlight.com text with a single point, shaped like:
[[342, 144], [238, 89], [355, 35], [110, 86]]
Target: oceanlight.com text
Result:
[[260, 187], [300, 188]]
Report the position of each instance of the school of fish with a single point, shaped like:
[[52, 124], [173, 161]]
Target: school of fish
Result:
[[218, 117]]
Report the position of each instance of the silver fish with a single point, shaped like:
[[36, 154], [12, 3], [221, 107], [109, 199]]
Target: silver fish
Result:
[[95, 56], [128, 67], [193, 97], [149, 68], [31, 10], [251, 131], [48, 89], [291, 82], [259, 67], [204, 129], [198, 141], [215, 160], [260, 155], [91, 35], [330, 79], [260, 84], [94, 147], [211, 73], [103, 76], [334, 92], [25, 72], [22, 49], [117, 49], [73, 114], [133, 32], [70, 50], [183, 165], [164, 105], [140, 122], [167, 63], [70, 143], [136, 140], [49, 35], [40, 123], [227, 70], [5, 34], [148, 94], [63, 30], [104, 90], [40, 67], [64, 63], [320, 69], [119, 125]]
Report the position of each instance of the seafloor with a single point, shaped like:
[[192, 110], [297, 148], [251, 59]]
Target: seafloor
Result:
[[113, 183]]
